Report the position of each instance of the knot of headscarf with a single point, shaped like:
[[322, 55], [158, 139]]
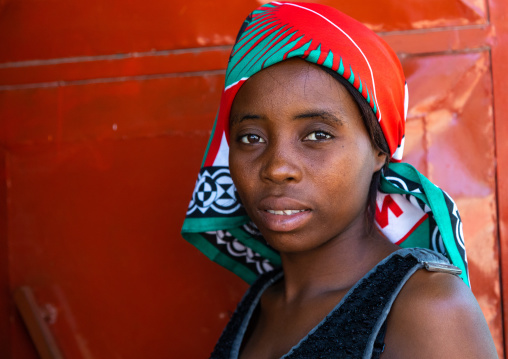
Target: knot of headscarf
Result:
[[411, 211]]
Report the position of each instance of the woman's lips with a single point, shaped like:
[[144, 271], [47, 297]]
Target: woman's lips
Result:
[[282, 214], [285, 212], [284, 220]]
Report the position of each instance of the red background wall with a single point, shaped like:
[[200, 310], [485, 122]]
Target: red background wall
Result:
[[105, 110]]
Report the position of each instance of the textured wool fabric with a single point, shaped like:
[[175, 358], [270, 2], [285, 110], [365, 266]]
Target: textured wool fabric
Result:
[[411, 211]]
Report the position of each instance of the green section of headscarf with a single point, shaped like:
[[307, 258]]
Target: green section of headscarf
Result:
[[218, 257], [433, 196], [420, 238], [209, 142], [210, 224]]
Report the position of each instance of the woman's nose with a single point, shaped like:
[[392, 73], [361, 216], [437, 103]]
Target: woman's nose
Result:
[[281, 164]]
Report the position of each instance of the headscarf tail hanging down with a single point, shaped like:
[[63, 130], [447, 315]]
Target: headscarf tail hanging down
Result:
[[411, 211]]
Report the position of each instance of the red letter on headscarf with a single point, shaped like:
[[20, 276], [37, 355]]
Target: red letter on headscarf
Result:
[[382, 216]]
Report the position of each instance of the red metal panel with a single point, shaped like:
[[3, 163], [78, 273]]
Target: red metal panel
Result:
[[127, 191], [34, 30], [441, 40], [450, 139], [6, 305], [389, 15], [111, 110], [119, 284]]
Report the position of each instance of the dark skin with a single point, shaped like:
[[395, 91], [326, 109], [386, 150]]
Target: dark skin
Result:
[[302, 162]]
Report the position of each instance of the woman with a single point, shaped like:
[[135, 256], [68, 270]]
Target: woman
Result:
[[313, 110]]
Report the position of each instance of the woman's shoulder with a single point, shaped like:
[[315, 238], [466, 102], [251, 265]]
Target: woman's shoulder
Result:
[[436, 315]]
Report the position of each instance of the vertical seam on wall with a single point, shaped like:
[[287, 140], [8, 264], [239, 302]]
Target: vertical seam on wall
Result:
[[7, 183], [496, 182]]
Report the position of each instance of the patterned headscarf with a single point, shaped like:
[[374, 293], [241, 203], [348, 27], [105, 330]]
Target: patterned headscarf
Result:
[[410, 212]]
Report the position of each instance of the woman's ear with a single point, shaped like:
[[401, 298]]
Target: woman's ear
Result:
[[380, 160]]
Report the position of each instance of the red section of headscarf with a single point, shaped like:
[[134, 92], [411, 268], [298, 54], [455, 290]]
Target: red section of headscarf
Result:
[[222, 124]]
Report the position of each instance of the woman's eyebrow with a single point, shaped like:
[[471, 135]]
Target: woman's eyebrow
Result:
[[239, 119], [322, 114]]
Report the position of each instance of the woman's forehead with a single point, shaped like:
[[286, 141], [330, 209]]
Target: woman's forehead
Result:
[[279, 84], [292, 68]]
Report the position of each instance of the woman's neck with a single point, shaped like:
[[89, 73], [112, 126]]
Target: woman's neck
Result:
[[335, 266]]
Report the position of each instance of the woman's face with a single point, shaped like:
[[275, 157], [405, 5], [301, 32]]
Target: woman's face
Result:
[[300, 156]]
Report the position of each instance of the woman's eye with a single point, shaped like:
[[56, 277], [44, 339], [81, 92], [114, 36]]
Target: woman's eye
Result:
[[317, 136], [250, 139]]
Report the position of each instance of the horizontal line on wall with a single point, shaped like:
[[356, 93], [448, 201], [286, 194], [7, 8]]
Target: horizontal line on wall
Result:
[[445, 53], [111, 57], [433, 29], [110, 80], [24, 145]]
